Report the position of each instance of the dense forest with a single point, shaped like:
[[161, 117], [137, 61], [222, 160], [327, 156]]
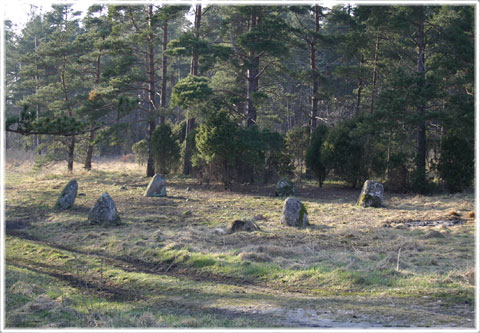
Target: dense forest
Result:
[[249, 94]]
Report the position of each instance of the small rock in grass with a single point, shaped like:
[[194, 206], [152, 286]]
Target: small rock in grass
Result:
[[147, 319], [371, 195], [68, 195], [259, 217], [41, 303], [434, 234], [294, 213], [27, 289], [104, 211], [257, 257], [156, 187], [453, 214], [82, 194], [400, 227], [240, 225], [220, 231]]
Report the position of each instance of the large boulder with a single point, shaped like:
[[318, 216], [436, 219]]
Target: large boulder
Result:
[[371, 195], [284, 188], [68, 195], [294, 213], [104, 211], [156, 187]]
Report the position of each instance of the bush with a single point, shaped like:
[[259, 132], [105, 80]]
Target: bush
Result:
[[216, 151], [314, 154], [229, 152], [456, 163], [276, 162], [179, 131], [165, 150], [397, 175], [343, 152], [296, 142], [140, 149], [52, 151]]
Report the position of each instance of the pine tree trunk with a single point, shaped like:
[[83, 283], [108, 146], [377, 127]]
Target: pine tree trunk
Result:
[[71, 152], [88, 159], [421, 129], [187, 160], [150, 162], [375, 65], [190, 125], [360, 87], [163, 101], [197, 22], [313, 67], [36, 140], [151, 94], [252, 75]]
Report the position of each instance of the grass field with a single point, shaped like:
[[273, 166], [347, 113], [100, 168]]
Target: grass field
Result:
[[408, 264]]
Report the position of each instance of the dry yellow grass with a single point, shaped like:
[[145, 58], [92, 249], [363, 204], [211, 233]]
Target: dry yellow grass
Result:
[[347, 248]]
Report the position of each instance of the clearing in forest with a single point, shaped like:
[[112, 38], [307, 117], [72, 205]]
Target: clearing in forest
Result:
[[410, 263]]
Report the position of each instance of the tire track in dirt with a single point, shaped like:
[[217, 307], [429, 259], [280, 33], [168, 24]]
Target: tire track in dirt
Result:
[[134, 264], [109, 292]]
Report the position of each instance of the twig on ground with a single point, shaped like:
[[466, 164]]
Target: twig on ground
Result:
[[398, 258]]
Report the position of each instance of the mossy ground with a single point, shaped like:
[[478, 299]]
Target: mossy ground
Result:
[[167, 266]]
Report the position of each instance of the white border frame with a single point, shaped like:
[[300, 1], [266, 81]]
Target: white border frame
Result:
[[476, 4]]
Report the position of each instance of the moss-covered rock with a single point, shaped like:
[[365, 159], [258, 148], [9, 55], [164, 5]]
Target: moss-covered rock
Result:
[[371, 194], [156, 187], [104, 212], [68, 195], [285, 188], [294, 213]]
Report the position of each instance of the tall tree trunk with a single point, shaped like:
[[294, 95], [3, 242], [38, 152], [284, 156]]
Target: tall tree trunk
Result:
[[150, 162], [375, 65], [71, 140], [360, 87], [313, 67], [187, 158], [196, 26], [36, 140], [71, 151], [151, 94], [190, 125], [421, 128], [88, 159], [163, 101], [252, 75]]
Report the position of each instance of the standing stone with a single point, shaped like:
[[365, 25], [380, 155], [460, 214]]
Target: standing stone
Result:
[[68, 195], [371, 195], [104, 212], [294, 213], [284, 188], [156, 187]]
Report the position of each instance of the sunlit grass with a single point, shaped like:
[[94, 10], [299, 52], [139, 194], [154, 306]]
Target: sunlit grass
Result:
[[166, 248]]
